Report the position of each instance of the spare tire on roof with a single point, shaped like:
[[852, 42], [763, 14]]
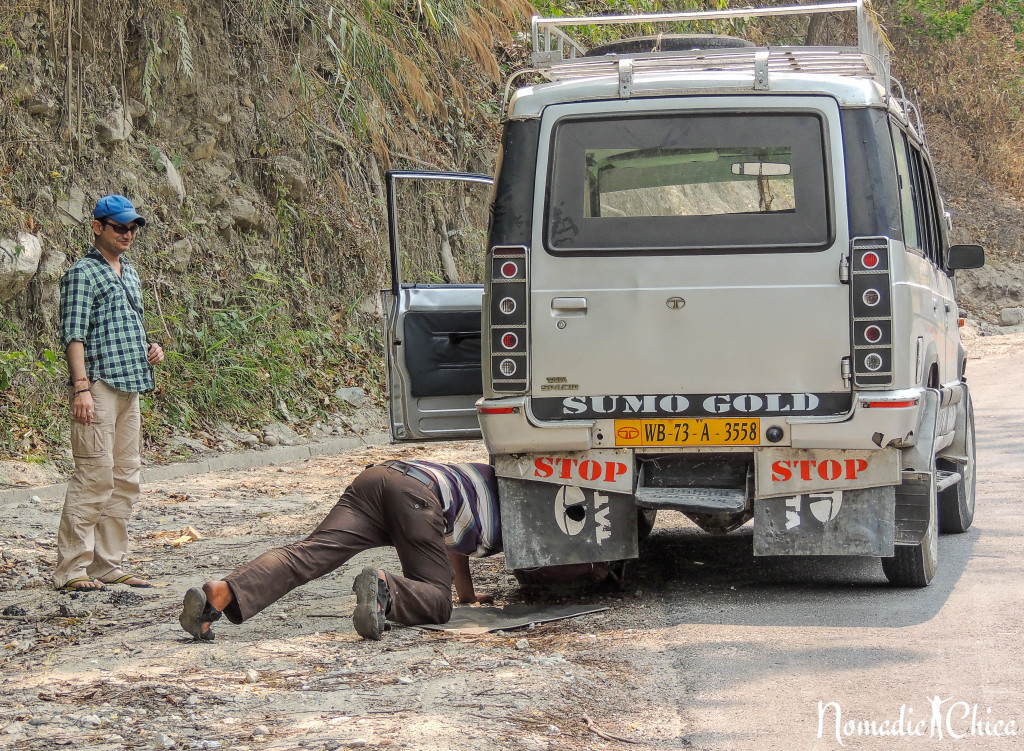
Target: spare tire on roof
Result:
[[668, 43]]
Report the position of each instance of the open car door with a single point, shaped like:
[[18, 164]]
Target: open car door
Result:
[[437, 222]]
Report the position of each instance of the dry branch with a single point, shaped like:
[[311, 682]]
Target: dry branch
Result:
[[602, 734]]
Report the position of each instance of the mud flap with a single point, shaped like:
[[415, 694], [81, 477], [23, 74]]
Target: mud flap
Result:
[[548, 525], [851, 522]]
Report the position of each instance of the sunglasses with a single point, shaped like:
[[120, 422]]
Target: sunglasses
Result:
[[122, 229]]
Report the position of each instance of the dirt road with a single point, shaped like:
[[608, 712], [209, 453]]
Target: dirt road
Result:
[[707, 647]]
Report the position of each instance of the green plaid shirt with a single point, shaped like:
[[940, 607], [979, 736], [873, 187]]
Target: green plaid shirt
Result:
[[104, 312]]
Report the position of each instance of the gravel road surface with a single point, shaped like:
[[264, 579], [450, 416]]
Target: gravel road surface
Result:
[[705, 648]]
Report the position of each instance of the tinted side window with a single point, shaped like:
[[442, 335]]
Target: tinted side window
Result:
[[924, 197], [908, 202], [934, 213]]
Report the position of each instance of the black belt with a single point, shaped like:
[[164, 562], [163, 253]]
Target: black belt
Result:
[[415, 473]]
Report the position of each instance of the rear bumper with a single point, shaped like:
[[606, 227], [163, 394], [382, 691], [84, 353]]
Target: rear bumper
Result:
[[877, 420]]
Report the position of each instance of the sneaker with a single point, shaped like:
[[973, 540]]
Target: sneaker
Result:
[[195, 611], [373, 601]]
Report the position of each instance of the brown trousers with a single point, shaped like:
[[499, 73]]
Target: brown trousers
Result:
[[93, 536], [381, 507]]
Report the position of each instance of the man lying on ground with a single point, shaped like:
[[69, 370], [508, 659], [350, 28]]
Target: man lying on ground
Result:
[[435, 515]]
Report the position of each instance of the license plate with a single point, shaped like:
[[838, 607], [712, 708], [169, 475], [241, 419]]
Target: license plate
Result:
[[714, 431]]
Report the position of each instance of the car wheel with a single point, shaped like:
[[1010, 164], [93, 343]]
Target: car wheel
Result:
[[915, 565], [956, 503], [645, 519]]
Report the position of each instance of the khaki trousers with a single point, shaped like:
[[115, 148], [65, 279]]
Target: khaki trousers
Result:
[[93, 536], [381, 507]]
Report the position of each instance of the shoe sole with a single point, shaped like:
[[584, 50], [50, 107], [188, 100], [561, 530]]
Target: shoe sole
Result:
[[192, 612], [365, 618]]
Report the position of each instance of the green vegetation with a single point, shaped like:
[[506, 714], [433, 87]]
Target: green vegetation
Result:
[[944, 21], [256, 317], [239, 359]]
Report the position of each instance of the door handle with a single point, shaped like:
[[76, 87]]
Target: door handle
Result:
[[568, 306], [457, 337]]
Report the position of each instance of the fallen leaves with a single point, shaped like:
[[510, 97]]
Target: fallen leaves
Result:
[[181, 537]]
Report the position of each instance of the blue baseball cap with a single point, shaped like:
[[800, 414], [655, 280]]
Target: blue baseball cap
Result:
[[118, 208]]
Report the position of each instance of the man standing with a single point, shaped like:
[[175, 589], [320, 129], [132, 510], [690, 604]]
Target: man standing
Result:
[[435, 515], [110, 363]]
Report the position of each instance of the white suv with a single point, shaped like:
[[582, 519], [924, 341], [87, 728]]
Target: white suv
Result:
[[716, 280]]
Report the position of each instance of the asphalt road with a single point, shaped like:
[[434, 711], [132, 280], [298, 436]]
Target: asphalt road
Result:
[[745, 653], [707, 647]]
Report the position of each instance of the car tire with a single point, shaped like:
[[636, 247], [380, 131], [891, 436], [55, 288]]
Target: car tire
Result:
[[956, 503], [668, 43], [916, 565], [645, 519]]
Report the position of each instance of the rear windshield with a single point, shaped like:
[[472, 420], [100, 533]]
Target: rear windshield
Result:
[[704, 181]]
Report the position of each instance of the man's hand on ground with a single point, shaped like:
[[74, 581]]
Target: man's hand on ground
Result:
[[480, 598]]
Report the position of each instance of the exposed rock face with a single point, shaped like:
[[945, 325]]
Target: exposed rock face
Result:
[[173, 189], [244, 214], [41, 105], [47, 286], [279, 434], [1011, 316], [19, 260], [352, 395], [71, 210], [204, 149], [991, 287], [291, 177], [115, 128], [181, 255]]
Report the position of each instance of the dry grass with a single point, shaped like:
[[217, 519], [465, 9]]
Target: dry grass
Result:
[[970, 90]]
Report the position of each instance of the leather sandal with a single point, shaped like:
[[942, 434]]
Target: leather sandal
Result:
[[127, 579], [70, 585]]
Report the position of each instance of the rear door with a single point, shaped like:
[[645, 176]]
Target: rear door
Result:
[[437, 225], [693, 258]]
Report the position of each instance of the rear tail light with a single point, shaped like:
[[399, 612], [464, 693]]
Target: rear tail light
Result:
[[498, 410], [873, 361], [871, 306], [508, 320], [893, 405]]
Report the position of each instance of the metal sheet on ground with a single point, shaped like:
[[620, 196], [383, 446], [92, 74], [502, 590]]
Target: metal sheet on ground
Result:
[[480, 620]]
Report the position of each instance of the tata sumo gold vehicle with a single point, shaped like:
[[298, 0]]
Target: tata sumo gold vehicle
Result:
[[716, 280]]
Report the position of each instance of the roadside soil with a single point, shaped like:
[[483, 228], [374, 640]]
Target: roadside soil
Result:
[[113, 669]]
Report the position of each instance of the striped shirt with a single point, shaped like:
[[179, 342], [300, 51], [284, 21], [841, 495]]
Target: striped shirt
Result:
[[469, 496], [104, 312]]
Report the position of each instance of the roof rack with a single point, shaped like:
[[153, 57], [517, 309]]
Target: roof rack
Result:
[[557, 56]]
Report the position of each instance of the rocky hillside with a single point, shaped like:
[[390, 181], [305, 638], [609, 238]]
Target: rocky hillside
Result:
[[254, 135]]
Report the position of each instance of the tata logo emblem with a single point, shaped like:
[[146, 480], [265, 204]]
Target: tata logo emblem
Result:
[[627, 433], [570, 513], [825, 506], [675, 303]]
